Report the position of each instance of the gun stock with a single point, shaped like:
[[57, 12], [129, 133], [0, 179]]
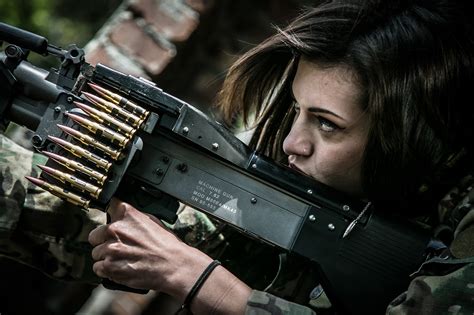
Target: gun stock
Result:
[[177, 153]]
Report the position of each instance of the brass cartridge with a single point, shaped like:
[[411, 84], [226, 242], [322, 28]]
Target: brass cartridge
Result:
[[77, 167], [82, 153], [108, 120], [75, 182], [99, 130], [90, 141], [120, 101], [60, 192], [114, 110]]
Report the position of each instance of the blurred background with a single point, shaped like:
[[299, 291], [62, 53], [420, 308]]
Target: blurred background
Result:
[[61, 21], [185, 46]]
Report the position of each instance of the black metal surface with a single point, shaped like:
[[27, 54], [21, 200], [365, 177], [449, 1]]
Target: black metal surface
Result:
[[23, 38], [374, 260], [220, 190]]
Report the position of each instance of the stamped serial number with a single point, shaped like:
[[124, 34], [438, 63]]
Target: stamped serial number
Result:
[[212, 197]]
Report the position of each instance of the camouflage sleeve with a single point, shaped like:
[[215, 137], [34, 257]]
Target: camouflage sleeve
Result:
[[198, 230], [37, 228], [450, 293], [263, 303], [445, 285]]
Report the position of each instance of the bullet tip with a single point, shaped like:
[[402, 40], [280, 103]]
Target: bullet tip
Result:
[[75, 117], [56, 157], [57, 140], [78, 104], [97, 88], [84, 107], [89, 95], [35, 180], [49, 154], [45, 168]]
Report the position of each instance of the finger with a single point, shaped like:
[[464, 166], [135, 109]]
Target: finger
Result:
[[98, 235], [98, 268], [98, 252], [109, 269], [116, 209], [110, 249]]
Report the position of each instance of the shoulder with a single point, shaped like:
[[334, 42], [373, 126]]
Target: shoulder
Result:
[[445, 284]]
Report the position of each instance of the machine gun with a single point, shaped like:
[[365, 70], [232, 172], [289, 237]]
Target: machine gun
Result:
[[110, 134]]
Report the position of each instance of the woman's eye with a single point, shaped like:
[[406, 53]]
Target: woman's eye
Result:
[[326, 125]]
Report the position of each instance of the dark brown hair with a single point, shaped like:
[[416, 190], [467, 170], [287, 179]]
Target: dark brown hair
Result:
[[414, 62]]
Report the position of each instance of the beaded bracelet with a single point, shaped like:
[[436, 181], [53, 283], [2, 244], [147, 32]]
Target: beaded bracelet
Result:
[[199, 282]]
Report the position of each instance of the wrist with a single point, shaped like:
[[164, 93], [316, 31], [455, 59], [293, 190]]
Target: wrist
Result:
[[213, 297], [198, 284], [186, 272]]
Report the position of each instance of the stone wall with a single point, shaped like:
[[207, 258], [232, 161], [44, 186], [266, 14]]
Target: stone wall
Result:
[[185, 46]]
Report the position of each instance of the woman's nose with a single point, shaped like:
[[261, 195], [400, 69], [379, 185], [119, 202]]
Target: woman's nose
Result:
[[298, 141]]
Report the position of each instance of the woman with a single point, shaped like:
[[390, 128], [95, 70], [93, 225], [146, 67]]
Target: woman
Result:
[[367, 97]]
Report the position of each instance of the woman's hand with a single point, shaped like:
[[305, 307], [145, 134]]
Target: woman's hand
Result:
[[136, 250]]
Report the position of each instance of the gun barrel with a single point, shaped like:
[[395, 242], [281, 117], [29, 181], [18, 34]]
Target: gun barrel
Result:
[[23, 38]]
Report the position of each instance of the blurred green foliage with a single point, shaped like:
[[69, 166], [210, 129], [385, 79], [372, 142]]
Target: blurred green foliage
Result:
[[62, 22]]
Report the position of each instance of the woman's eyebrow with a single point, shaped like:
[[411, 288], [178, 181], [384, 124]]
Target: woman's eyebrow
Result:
[[315, 109]]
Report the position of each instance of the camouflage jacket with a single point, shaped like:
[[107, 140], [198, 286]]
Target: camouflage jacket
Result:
[[39, 230], [444, 284]]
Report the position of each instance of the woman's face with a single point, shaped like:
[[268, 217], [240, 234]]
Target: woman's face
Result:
[[330, 130]]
